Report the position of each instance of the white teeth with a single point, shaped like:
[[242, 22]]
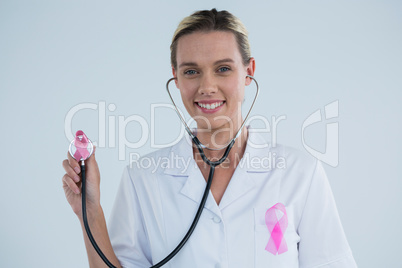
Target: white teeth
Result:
[[210, 106]]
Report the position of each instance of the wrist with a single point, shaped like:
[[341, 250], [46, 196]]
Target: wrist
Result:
[[94, 213]]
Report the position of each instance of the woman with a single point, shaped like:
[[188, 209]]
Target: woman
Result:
[[255, 216]]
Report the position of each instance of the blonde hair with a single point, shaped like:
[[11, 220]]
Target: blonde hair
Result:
[[212, 20]]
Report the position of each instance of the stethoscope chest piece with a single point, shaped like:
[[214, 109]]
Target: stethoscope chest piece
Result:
[[81, 148]]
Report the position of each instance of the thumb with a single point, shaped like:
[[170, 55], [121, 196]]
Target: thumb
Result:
[[92, 166], [91, 160]]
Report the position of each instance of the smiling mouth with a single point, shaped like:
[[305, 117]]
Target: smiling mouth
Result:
[[210, 106]]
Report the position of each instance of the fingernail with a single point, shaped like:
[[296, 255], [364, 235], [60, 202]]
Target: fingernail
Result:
[[77, 191], [77, 170], [76, 178]]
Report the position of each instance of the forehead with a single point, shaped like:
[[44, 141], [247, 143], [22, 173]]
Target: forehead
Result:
[[206, 47]]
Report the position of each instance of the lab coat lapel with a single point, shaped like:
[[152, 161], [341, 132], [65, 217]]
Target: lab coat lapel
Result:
[[194, 189], [180, 157], [239, 185], [252, 163], [195, 183]]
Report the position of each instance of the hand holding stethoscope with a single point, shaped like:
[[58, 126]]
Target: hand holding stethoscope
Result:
[[72, 182], [81, 185]]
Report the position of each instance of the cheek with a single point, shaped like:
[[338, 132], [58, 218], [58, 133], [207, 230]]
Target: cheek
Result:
[[186, 90], [187, 95], [235, 89]]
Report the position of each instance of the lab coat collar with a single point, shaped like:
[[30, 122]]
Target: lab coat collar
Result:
[[257, 157], [181, 157], [254, 161]]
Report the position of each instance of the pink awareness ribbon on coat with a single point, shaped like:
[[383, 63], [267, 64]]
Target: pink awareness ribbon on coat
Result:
[[276, 227], [81, 144]]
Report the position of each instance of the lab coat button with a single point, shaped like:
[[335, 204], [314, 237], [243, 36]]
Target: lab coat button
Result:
[[216, 219]]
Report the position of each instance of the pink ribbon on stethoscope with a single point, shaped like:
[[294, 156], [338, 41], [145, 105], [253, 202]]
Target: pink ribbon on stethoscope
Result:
[[276, 227], [81, 144]]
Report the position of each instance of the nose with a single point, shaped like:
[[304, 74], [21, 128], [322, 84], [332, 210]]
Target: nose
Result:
[[207, 85]]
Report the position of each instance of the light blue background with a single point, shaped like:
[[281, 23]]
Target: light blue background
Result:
[[57, 54]]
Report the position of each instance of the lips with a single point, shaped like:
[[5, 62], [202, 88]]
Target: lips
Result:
[[210, 106]]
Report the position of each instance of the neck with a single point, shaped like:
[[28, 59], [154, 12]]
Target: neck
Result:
[[218, 139]]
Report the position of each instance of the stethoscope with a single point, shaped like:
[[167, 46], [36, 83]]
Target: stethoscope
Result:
[[81, 148]]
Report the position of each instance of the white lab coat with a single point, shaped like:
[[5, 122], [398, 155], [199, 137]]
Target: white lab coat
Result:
[[158, 197]]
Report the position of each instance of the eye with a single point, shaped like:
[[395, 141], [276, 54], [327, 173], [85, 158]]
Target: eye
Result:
[[190, 72], [223, 69]]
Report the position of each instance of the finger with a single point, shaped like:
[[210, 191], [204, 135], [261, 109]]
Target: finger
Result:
[[73, 163], [70, 171], [92, 165], [71, 184]]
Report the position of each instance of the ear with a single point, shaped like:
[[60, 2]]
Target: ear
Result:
[[250, 69], [174, 75]]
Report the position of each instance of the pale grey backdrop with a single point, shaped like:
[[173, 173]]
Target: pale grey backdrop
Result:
[[55, 55]]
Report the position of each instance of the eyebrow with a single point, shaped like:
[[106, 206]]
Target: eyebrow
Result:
[[228, 60]]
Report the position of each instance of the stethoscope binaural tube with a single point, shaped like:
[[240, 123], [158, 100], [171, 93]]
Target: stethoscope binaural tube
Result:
[[188, 129]]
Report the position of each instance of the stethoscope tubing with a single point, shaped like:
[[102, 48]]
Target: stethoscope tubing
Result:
[[203, 200], [212, 165], [85, 219]]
